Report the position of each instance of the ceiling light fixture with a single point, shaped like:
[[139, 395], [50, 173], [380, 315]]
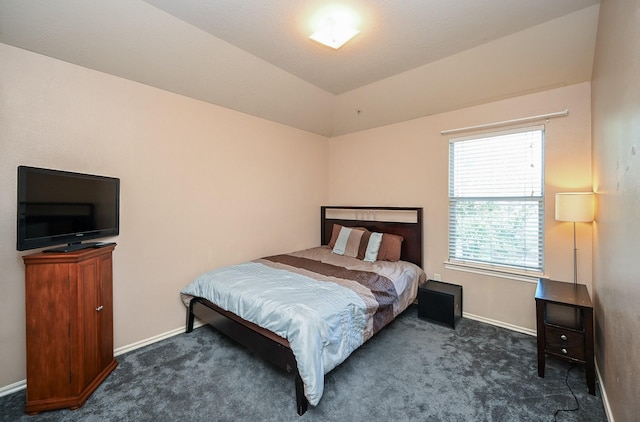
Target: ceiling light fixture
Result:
[[336, 28]]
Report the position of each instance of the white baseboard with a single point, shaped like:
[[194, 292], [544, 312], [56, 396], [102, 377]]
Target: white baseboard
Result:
[[13, 388], [605, 398], [142, 343], [500, 324], [21, 385]]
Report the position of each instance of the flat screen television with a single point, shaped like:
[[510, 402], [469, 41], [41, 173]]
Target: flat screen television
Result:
[[59, 207]]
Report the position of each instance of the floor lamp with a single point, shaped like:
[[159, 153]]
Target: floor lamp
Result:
[[576, 207]]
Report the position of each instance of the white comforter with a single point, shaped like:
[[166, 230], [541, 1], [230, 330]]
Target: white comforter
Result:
[[323, 321]]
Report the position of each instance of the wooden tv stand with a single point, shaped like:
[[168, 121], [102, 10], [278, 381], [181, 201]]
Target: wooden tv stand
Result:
[[69, 322]]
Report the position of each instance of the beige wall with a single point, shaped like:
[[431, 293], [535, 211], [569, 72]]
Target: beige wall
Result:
[[616, 153], [200, 181], [407, 164], [201, 186]]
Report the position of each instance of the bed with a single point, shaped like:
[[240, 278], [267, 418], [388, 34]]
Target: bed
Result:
[[307, 311]]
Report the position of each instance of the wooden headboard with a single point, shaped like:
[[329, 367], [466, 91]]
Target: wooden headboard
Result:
[[403, 221]]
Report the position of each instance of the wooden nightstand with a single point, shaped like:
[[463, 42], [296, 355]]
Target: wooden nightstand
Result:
[[564, 319]]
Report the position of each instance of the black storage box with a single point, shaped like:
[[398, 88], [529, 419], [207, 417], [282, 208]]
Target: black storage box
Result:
[[440, 302]]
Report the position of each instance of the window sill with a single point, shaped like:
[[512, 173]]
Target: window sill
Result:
[[526, 276]]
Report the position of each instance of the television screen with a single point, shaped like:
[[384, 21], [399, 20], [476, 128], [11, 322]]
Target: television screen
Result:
[[57, 207]]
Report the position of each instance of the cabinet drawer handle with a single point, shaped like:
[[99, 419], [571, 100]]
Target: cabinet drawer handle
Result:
[[564, 351], [99, 308], [563, 337]]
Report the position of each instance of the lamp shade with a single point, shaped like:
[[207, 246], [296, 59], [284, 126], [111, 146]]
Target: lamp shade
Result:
[[574, 206]]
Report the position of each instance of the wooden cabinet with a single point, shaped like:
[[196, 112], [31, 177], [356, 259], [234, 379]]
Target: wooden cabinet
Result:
[[69, 323], [564, 319]]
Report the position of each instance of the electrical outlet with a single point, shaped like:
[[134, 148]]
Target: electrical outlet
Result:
[[437, 277]]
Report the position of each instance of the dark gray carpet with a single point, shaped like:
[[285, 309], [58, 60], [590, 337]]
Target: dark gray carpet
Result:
[[413, 370]]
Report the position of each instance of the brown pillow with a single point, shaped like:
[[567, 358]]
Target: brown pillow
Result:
[[334, 235], [364, 241], [353, 244], [390, 247]]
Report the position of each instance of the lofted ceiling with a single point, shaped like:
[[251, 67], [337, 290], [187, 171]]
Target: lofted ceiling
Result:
[[412, 58]]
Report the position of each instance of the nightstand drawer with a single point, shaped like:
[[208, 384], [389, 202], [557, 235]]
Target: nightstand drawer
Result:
[[563, 342]]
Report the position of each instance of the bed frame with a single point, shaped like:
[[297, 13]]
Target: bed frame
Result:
[[275, 348]]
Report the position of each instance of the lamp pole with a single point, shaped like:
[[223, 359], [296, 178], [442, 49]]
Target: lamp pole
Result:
[[575, 257]]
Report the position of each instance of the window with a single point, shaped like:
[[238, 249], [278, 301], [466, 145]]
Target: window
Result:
[[496, 201]]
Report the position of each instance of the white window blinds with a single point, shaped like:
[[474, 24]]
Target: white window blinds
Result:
[[496, 199]]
